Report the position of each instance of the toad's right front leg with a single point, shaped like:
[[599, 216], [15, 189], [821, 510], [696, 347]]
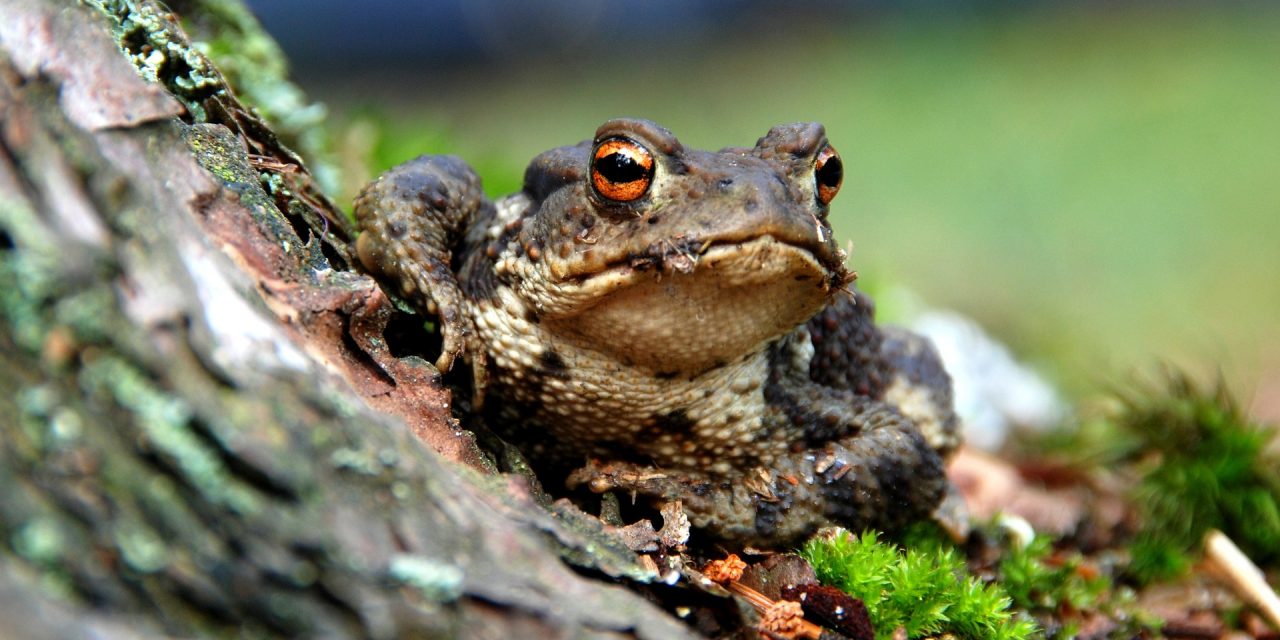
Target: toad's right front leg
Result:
[[413, 218]]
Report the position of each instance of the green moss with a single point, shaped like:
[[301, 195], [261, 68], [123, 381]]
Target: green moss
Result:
[[222, 153], [1044, 583], [924, 592], [1203, 465], [1199, 463], [1154, 557], [1034, 584]]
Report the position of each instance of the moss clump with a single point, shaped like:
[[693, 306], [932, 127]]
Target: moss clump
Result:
[[1047, 584], [924, 592], [1202, 465], [1036, 582]]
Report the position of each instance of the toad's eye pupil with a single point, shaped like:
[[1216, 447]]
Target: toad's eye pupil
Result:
[[831, 173], [828, 173], [620, 167]]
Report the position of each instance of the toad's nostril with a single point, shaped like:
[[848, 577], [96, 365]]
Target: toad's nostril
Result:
[[725, 183]]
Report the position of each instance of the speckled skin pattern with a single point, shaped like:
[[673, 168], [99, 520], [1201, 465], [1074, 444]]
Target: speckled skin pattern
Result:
[[700, 343]]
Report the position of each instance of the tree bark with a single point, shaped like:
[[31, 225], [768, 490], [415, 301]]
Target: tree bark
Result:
[[203, 431]]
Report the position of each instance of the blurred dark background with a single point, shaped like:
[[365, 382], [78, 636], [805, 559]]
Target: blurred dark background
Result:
[[1098, 183]]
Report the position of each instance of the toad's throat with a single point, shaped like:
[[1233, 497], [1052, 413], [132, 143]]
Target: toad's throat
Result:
[[733, 299]]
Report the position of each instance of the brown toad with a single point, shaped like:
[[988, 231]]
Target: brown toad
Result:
[[678, 320]]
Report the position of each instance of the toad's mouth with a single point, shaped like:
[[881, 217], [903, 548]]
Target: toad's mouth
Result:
[[690, 310], [675, 256], [682, 255]]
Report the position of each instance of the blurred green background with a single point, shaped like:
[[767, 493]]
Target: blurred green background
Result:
[[1098, 185]]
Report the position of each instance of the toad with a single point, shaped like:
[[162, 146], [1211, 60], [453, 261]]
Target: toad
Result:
[[674, 325]]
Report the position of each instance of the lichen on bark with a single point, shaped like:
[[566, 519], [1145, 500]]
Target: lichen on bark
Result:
[[201, 435]]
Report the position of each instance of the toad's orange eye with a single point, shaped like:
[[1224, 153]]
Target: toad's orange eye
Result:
[[621, 169], [828, 173]]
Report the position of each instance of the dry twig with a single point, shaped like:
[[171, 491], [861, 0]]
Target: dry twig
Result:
[[1244, 577]]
